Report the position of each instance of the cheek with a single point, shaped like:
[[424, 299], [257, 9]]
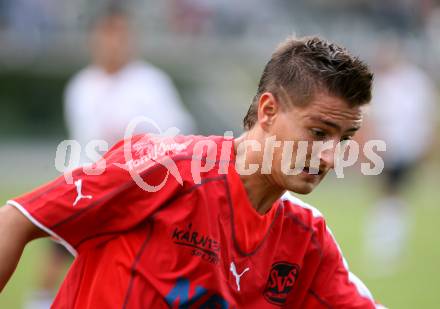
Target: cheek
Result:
[[290, 131], [284, 128], [285, 158], [299, 151]]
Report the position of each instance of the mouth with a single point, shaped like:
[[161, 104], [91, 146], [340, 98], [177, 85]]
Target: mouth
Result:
[[313, 171]]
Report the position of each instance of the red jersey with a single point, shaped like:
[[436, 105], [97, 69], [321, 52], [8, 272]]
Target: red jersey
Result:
[[196, 242]]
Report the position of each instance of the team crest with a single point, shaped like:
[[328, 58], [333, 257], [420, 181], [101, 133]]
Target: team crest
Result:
[[281, 280]]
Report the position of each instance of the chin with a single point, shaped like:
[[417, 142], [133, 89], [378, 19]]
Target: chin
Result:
[[303, 188]]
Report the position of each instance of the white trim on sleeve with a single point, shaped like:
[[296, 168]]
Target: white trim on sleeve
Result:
[[360, 286], [38, 224]]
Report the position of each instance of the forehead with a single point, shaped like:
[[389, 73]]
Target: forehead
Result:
[[331, 108], [112, 23]]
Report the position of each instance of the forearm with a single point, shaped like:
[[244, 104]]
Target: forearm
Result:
[[10, 253], [15, 232]]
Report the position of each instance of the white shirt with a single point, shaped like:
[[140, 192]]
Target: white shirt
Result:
[[100, 105], [403, 111]]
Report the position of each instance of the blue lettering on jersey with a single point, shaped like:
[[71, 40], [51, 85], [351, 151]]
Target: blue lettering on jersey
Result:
[[180, 292], [215, 301]]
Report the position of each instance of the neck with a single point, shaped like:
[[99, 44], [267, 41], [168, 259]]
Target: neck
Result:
[[261, 191], [112, 67]]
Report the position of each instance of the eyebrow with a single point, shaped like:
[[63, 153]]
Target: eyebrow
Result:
[[334, 125]]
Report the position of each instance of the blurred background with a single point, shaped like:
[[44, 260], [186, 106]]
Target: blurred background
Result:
[[214, 53]]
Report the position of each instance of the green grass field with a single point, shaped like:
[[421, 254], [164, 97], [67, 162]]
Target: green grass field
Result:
[[344, 203]]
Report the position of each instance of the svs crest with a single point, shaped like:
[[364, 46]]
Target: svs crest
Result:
[[281, 280]]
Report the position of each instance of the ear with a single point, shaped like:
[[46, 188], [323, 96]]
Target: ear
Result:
[[268, 109]]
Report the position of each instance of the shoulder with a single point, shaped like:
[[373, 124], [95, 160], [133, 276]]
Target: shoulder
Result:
[[333, 259], [302, 210], [184, 156], [84, 77], [298, 205], [313, 220], [307, 216], [145, 70]]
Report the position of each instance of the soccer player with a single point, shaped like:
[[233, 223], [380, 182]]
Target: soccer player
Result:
[[206, 222], [102, 98], [388, 225]]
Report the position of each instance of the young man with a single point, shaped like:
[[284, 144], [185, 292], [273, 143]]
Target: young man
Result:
[[206, 222]]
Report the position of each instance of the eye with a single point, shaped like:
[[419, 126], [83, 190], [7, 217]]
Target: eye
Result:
[[318, 133], [345, 140]]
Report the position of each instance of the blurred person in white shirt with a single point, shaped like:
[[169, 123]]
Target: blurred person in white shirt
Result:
[[100, 102], [102, 99], [403, 115]]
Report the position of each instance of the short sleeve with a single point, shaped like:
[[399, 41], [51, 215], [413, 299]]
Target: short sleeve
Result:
[[332, 284], [335, 286], [97, 205]]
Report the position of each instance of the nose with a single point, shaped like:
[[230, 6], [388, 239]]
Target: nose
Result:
[[323, 153], [327, 158]]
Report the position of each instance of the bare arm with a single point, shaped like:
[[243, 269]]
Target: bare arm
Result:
[[15, 232]]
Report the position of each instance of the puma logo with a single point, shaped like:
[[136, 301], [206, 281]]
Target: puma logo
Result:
[[80, 196], [237, 276]]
